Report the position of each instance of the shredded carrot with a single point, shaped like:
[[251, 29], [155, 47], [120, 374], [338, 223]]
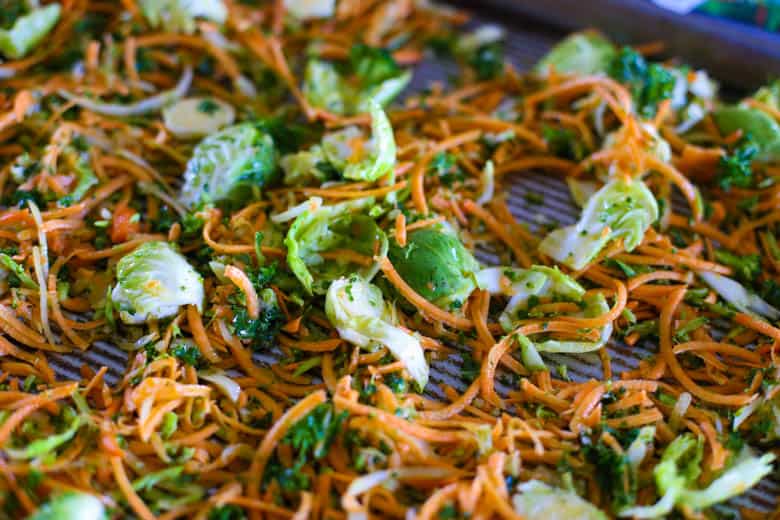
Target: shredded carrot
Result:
[[242, 281], [430, 310], [243, 393]]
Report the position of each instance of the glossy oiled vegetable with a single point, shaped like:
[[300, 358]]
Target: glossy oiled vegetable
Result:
[[181, 15], [321, 295], [153, 281], [539, 500], [69, 506], [319, 229], [619, 210], [764, 130], [28, 31], [232, 165], [581, 53], [357, 310], [436, 265]]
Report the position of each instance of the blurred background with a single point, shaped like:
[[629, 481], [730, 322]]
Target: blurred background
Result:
[[738, 41], [762, 13]]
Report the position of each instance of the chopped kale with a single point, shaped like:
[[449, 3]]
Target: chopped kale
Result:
[[650, 83], [735, 168]]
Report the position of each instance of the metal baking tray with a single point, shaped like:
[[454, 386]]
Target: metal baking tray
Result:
[[532, 27]]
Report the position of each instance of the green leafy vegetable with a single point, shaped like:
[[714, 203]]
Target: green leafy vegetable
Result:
[[650, 83], [381, 161], [483, 51], [230, 166], [71, 505], [539, 500], [187, 353], [620, 209], [377, 78], [335, 157], [18, 271], [265, 327], [436, 265], [46, 446], [180, 15], [361, 316], [769, 95], [524, 285], [85, 179], [28, 31], [746, 267], [227, 512], [323, 87], [581, 53], [613, 472], [677, 473], [762, 129], [324, 228], [563, 142], [153, 282], [735, 168], [312, 436], [372, 65], [488, 60]]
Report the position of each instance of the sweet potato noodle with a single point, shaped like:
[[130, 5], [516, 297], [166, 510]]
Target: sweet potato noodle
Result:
[[247, 199]]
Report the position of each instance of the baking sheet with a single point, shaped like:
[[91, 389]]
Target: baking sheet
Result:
[[527, 40]]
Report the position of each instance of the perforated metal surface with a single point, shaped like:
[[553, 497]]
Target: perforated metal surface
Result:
[[525, 43]]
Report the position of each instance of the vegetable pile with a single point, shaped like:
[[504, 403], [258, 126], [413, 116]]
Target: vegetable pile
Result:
[[245, 198]]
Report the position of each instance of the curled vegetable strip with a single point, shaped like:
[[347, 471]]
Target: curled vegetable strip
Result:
[[734, 293], [488, 184], [362, 317], [47, 445], [381, 161], [322, 228], [389, 478], [521, 285], [676, 476], [620, 209], [222, 381], [140, 107]]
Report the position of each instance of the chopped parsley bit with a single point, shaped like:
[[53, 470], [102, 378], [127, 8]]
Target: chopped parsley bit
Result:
[[470, 368], [208, 106], [650, 83], [227, 512], [746, 267], [735, 169], [187, 353], [448, 512], [563, 142], [627, 269], [488, 60]]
